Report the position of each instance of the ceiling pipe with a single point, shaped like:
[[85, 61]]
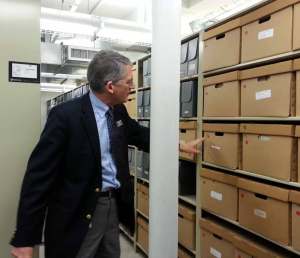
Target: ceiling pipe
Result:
[[90, 20]]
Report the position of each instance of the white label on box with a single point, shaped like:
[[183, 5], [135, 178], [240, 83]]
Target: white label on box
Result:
[[264, 94], [260, 213], [215, 253], [264, 138], [216, 195], [216, 147], [265, 34]]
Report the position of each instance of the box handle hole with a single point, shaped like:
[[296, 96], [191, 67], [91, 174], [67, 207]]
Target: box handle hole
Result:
[[261, 196], [183, 130], [218, 85], [220, 36], [264, 19], [218, 237], [219, 134], [263, 78]]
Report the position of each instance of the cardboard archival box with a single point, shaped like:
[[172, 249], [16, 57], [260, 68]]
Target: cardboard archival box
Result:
[[243, 245], [143, 198], [296, 66], [240, 254], [268, 36], [296, 26], [215, 240], [188, 133], [268, 91], [222, 144], [269, 150], [219, 193], [298, 93], [187, 227], [297, 134], [215, 246], [222, 28], [295, 200], [251, 16], [265, 10], [183, 254], [265, 209], [131, 106], [143, 233], [222, 95], [222, 50]]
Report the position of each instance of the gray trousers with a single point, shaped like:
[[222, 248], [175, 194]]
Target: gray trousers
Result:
[[102, 239]]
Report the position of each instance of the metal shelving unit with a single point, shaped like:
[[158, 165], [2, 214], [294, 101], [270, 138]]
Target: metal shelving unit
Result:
[[190, 199], [142, 249], [199, 135], [291, 120], [253, 175], [189, 119], [131, 238], [255, 63], [144, 88], [258, 119], [143, 214], [143, 179], [189, 78]]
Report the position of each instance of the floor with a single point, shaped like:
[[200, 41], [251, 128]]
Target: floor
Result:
[[127, 250]]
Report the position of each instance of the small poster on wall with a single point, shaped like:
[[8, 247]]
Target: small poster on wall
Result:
[[24, 72]]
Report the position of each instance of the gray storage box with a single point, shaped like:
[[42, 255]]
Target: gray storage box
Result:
[[183, 70], [145, 67], [147, 81], [188, 99], [183, 60], [192, 68], [146, 103], [146, 165], [140, 108], [139, 163]]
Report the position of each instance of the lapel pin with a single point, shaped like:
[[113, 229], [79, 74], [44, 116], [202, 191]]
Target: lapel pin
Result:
[[119, 123]]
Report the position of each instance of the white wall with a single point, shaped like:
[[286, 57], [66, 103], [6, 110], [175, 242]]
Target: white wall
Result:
[[19, 106]]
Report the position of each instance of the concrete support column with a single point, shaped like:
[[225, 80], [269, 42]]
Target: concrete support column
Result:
[[163, 230]]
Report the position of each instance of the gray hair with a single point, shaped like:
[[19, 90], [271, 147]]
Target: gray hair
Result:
[[106, 66]]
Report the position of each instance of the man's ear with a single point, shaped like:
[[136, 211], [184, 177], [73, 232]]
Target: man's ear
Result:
[[109, 87]]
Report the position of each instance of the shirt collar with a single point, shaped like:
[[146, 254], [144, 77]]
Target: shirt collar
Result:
[[98, 105]]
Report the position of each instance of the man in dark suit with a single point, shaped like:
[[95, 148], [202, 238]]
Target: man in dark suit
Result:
[[77, 181]]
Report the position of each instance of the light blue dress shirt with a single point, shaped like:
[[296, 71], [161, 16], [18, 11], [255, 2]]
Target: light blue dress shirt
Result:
[[109, 170]]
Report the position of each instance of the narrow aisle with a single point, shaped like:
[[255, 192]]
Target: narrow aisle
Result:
[[127, 250]]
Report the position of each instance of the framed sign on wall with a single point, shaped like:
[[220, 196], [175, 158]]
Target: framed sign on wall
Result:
[[24, 72]]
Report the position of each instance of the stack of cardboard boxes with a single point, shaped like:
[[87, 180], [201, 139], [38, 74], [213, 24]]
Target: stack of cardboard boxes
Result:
[[251, 77], [188, 132]]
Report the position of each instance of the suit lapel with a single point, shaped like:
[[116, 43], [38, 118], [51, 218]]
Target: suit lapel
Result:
[[90, 125]]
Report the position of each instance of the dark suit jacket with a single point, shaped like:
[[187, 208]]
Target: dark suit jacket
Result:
[[63, 172]]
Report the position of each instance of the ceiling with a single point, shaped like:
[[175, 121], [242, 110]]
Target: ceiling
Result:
[[124, 25], [139, 11]]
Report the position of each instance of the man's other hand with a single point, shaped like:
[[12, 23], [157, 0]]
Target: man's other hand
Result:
[[22, 252], [190, 147]]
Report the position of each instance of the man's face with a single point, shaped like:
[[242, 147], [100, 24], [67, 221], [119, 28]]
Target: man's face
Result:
[[122, 88]]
